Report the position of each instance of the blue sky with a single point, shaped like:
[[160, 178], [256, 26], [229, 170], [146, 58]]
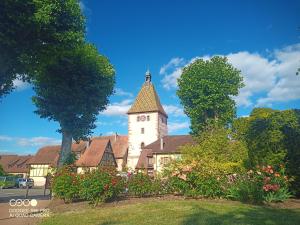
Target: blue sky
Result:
[[261, 38]]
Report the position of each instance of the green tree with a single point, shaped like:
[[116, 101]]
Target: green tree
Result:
[[30, 31], [1, 170], [215, 153], [71, 89], [272, 138], [205, 90]]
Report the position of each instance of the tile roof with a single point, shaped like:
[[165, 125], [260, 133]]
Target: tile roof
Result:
[[147, 100], [50, 154], [119, 144], [143, 159], [15, 163], [94, 153], [171, 144]]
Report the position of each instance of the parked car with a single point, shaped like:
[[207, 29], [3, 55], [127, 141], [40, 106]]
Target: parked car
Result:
[[23, 182], [7, 182]]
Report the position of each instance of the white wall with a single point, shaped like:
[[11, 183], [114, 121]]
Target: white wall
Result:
[[153, 130]]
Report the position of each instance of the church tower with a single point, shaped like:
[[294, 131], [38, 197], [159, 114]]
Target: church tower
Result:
[[147, 121]]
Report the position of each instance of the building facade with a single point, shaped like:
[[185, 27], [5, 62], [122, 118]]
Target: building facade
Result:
[[147, 121]]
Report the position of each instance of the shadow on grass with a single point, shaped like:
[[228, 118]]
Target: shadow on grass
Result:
[[247, 216]]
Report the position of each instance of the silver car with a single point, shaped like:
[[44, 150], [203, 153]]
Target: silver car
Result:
[[23, 182]]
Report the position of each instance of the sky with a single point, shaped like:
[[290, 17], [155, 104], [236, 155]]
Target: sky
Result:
[[261, 38]]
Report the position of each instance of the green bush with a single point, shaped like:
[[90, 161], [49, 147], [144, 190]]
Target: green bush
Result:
[[65, 184], [142, 185], [177, 185], [209, 186], [263, 184], [100, 185]]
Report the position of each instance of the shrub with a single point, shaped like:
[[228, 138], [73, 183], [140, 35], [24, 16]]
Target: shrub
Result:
[[246, 189], [140, 185], [100, 185], [65, 184], [207, 186], [177, 185], [264, 184]]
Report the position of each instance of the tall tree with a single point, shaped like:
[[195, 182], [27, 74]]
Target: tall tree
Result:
[[71, 89], [30, 30], [205, 90]]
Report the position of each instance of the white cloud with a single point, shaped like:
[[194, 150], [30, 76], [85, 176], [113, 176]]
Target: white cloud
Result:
[[5, 138], [20, 85], [273, 77], [175, 126], [34, 141], [173, 110], [37, 141], [121, 92], [174, 62], [117, 108], [170, 80], [287, 86]]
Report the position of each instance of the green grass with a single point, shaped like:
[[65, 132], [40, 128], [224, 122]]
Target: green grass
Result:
[[178, 212]]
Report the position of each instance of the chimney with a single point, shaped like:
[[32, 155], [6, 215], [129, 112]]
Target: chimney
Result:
[[161, 144], [116, 136], [88, 142]]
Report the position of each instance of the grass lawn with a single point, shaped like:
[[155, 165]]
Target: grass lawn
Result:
[[166, 212]]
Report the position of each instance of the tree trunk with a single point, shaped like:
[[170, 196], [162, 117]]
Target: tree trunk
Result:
[[66, 145]]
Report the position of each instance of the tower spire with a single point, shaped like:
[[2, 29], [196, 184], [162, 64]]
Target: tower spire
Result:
[[148, 76]]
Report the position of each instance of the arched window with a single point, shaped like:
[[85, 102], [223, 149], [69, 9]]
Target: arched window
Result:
[[148, 118], [142, 145]]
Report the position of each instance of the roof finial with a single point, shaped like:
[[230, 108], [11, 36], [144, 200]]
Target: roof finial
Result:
[[148, 76]]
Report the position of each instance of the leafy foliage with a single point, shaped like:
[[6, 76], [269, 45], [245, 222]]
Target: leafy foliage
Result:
[[33, 30], [205, 165], [72, 89], [215, 153], [262, 184], [205, 90], [100, 185], [96, 186], [140, 185], [65, 184], [2, 173], [273, 137]]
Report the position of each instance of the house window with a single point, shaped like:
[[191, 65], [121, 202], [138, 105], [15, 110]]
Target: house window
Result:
[[150, 160], [148, 118], [142, 145], [39, 170], [142, 131], [164, 160]]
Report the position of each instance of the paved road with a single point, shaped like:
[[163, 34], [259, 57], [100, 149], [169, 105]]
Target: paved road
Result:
[[8, 211], [16, 193]]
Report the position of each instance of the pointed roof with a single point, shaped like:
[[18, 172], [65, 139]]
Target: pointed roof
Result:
[[147, 100], [93, 155]]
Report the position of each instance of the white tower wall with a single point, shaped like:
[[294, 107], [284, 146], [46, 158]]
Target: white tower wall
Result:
[[154, 128]]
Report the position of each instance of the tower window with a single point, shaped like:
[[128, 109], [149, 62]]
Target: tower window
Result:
[[142, 131], [138, 118], [142, 145], [148, 118]]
